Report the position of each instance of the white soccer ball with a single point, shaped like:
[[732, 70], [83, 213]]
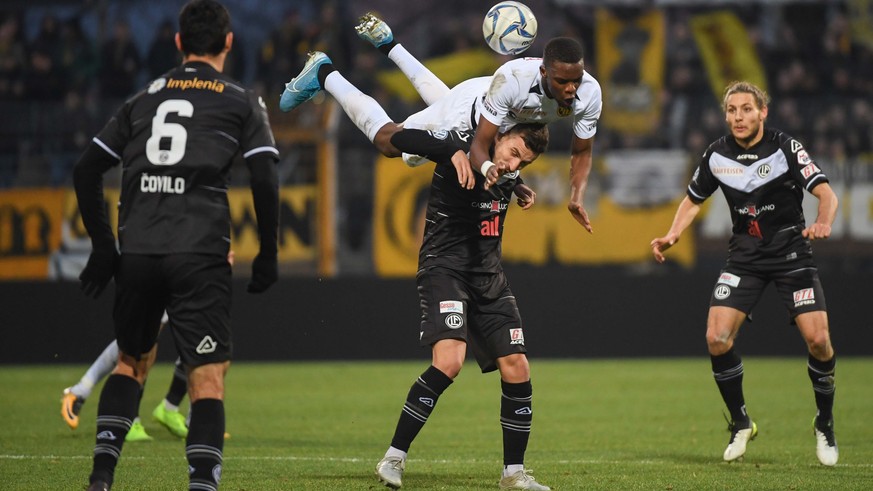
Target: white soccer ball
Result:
[[509, 28]]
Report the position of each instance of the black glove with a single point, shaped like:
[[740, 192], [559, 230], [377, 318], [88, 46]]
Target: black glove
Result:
[[265, 272], [99, 270]]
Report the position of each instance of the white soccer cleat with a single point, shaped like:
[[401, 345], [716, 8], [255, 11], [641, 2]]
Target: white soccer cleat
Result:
[[374, 30], [740, 437], [522, 480], [390, 471], [826, 443]]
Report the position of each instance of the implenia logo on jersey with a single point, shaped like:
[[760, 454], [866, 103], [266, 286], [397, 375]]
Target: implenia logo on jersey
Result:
[[564, 111], [516, 336], [207, 345]]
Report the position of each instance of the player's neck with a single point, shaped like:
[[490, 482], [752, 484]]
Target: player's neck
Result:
[[216, 61]]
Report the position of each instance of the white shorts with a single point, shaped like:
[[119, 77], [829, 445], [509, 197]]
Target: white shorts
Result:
[[455, 111]]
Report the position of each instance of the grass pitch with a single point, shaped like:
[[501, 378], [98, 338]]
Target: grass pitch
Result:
[[653, 424]]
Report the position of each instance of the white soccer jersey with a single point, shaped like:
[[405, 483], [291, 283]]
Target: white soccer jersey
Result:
[[455, 111], [516, 95]]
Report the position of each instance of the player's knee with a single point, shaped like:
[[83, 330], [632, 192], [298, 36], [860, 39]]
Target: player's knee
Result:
[[207, 381], [514, 368], [820, 345], [452, 368], [718, 342], [382, 141]]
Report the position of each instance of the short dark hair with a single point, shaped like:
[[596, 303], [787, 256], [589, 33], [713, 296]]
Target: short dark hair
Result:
[[535, 136], [203, 27], [564, 50]]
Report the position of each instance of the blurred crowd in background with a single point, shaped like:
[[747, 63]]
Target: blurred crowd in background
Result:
[[65, 68]]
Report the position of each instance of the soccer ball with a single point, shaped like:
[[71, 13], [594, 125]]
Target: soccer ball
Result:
[[509, 28]]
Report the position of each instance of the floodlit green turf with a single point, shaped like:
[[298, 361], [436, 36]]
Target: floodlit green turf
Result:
[[598, 425]]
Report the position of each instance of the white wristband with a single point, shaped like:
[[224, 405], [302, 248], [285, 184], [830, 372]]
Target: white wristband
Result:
[[486, 166]]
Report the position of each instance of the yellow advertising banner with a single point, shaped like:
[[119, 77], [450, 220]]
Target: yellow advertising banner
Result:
[[630, 64], [727, 51], [545, 233], [451, 69], [297, 227], [398, 215], [34, 223], [29, 231]]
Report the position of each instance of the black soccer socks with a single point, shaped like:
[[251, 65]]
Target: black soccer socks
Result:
[[205, 444], [119, 401], [727, 369], [178, 386], [821, 373], [420, 401], [515, 419]]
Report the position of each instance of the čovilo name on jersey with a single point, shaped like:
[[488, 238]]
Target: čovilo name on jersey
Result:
[[161, 184]]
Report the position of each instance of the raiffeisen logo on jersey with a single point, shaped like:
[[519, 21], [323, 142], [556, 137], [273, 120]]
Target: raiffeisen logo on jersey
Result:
[[727, 171]]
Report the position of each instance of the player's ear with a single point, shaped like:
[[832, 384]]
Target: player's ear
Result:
[[764, 112], [178, 40], [228, 41]]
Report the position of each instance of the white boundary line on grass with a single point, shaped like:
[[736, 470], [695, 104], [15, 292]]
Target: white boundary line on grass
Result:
[[355, 460]]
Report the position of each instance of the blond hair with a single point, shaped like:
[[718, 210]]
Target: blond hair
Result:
[[761, 97]]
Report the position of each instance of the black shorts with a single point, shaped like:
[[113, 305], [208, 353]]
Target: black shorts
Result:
[[797, 283], [194, 289], [478, 308]]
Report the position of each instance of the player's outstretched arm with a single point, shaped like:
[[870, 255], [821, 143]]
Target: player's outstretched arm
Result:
[[827, 212], [684, 216], [580, 168], [486, 132]]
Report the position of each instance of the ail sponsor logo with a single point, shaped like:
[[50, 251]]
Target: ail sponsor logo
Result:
[[490, 228], [516, 336]]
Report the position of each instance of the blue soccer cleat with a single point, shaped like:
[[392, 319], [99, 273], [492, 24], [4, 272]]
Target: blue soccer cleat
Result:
[[305, 85]]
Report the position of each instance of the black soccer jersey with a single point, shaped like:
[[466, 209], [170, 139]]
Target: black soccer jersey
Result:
[[764, 187], [176, 141], [464, 227]]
